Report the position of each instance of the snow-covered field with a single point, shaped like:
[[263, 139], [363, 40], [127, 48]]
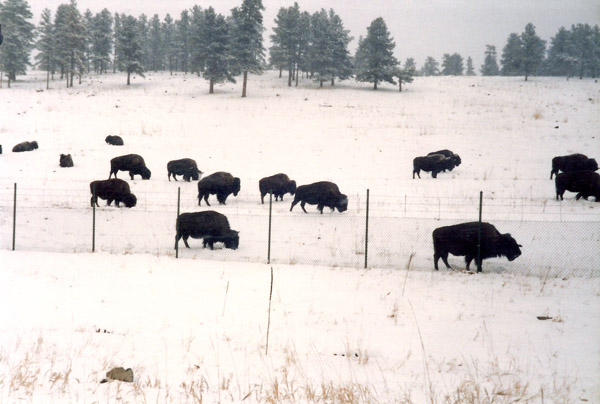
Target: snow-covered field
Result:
[[195, 329]]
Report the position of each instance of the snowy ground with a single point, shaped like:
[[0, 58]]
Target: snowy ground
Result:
[[197, 326]]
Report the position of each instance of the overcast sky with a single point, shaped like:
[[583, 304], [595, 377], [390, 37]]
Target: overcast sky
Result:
[[420, 28]]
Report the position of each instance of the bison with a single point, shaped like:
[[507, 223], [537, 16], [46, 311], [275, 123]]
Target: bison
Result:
[[572, 162], [435, 163], [278, 185], [209, 225], [112, 190], [462, 239], [25, 146], [447, 153], [185, 167], [133, 163], [66, 160], [322, 194], [220, 183], [585, 183], [114, 140]]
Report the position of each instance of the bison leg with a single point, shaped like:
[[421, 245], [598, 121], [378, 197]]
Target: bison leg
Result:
[[468, 259], [320, 208], [553, 172], [131, 174], [416, 172], [443, 256], [93, 201], [112, 172], [109, 201], [434, 174], [185, 238], [262, 198], [206, 200], [302, 206], [294, 202]]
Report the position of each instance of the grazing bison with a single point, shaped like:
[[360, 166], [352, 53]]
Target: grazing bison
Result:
[[585, 183], [461, 239], [322, 194], [185, 167], [112, 190], [572, 162], [220, 183], [131, 162], [435, 163], [25, 146], [114, 140], [278, 184], [66, 160], [447, 153], [209, 225]]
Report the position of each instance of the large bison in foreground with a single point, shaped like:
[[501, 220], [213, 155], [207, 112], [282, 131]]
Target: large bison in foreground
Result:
[[114, 140], [112, 190], [133, 163], [209, 225], [322, 194], [585, 183], [220, 183], [461, 239], [186, 167], [278, 184], [436, 163], [25, 146], [572, 162]]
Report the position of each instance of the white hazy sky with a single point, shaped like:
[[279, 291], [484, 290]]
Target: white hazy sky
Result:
[[420, 28]]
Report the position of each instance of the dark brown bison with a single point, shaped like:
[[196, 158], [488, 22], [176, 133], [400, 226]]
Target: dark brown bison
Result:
[[435, 163], [112, 190], [131, 162], [447, 153], [114, 140], [278, 184], [461, 239], [322, 194], [585, 183], [572, 162], [185, 167], [25, 146], [209, 225], [66, 160], [220, 183]]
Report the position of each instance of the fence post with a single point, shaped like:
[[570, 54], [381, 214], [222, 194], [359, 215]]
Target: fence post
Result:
[[14, 218], [479, 233], [94, 218], [270, 219], [367, 232], [177, 221]]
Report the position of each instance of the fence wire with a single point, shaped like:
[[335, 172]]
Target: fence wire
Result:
[[558, 238]]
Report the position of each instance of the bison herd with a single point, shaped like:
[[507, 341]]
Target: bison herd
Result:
[[574, 173]]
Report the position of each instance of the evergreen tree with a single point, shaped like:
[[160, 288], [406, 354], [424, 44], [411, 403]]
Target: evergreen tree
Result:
[[246, 39], [155, 44], [512, 56], [410, 64], [129, 47], [143, 33], [320, 53], [490, 63], [196, 41], [182, 41], [405, 75], [595, 59], [18, 39], [168, 36], [470, 69], [116, 31], [215, 49], [430, 67], [285, 39], [452, 65], [88, 20], [70, 37], [340, 38], [375, 56], [45, 59], [101, 41], [561, 54], [534, 49], [582, 37]]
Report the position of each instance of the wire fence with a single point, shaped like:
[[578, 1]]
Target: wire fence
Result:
[[558, 238]]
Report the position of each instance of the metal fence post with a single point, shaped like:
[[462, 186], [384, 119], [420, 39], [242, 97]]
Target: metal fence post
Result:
[[479, 233], [94, 217], [177, 221], [367, 232], [14, 218], [270, 220]]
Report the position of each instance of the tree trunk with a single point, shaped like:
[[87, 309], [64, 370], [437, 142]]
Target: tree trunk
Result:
[[375, 85], [321, 83], [400, 85], [290, 75], [297, 77], [280, 71], [48, 80], [332, 82], [245, 82], [128, 76], [211, 86]]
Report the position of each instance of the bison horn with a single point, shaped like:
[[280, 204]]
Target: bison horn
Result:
[[519, 245]]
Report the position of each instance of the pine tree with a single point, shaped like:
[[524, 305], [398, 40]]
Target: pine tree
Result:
[[285, 39], [430, 67], [116, 31], [470, 69], [215, 49], [88, 21], [490, 64], [376, 61], [101, 41], [143, 33], [410, 64], [155, 44], [18, 39], [452, 65], [405, 75], [196, 42], [582, 37], [182, 41], [561, 54], [512, 56], [320, 53], [168, 36], [340, 38], [45, 59], [129, 47], [70, 37], [246, 38], [534, 49]]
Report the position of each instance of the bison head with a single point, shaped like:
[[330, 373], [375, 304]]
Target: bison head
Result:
[[236, 186], [456, 159], [233, 240], [509, 247], [145, 172], [592, 165], [130, 200], [193, 173], [342, 204], [34, 145], [291, 187]]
